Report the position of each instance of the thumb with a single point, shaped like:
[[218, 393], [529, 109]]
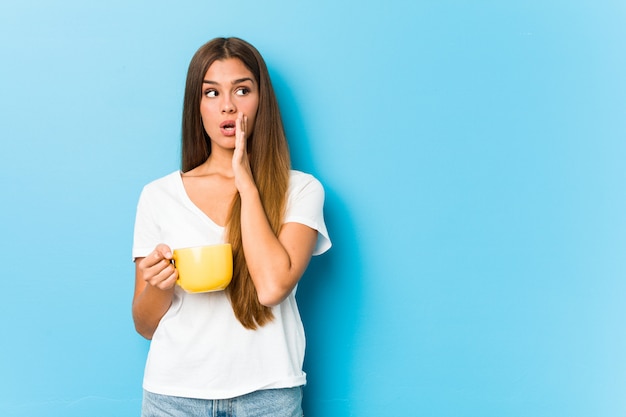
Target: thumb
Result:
[[163, 250]]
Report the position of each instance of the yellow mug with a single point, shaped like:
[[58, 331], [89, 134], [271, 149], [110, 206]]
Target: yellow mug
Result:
[[204, 268]]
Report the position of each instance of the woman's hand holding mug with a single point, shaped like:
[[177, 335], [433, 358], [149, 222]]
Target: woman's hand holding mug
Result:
[[157, 269]]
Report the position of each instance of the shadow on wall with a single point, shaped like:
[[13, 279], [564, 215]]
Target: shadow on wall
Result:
[[329, 294], [329, 297]]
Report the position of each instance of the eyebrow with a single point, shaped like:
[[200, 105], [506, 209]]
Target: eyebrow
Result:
[[237, 81]]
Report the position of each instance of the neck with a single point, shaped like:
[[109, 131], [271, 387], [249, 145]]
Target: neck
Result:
[[219, 162]]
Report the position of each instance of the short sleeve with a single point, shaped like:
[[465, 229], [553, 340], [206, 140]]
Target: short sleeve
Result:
[[305, 205], [147, 232]]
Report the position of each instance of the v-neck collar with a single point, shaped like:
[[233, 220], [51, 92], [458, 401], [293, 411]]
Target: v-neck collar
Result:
[[185, 197]]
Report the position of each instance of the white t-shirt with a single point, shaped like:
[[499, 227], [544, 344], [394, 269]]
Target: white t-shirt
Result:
[[199, 349]]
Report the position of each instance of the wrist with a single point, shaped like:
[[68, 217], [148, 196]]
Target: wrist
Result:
[[249, 191]]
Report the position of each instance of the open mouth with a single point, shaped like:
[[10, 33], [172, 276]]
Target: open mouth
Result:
[[228, 127]]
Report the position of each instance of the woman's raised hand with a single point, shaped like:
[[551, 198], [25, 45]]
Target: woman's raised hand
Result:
[[241, 163], [157, 269]]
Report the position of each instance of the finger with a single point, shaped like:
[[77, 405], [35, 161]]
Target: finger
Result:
[[160, 272], [241, 126], [160, 253], [150, 260], [169, 281], [164, 250]]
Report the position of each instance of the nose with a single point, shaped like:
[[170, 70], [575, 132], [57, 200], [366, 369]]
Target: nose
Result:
[[228, 106]]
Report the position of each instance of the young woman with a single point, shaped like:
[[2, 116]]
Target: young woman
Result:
[[237, 352]]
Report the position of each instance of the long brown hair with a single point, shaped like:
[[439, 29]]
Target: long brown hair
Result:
[[268, 153]]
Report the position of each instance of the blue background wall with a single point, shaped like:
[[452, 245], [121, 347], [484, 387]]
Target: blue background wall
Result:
[[473, 156]]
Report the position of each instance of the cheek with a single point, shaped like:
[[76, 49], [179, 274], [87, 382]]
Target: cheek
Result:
[[253, 112], [206, 113], [209, 106], [251, 124]]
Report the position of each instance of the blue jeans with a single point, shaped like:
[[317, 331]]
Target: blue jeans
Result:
[[284, 402]]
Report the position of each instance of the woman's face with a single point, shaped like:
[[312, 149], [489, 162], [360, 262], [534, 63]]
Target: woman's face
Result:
[[228, 89]]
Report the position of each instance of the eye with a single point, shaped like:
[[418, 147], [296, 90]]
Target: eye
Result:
[[210, 93], [242, 91]]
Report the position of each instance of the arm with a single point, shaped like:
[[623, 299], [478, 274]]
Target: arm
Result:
[[276, 264], [155, 278]]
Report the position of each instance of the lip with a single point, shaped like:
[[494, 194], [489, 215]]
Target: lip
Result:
[[227, 123], [226, 131]]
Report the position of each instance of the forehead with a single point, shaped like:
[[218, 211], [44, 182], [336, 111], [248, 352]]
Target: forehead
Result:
[[227, 71]]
